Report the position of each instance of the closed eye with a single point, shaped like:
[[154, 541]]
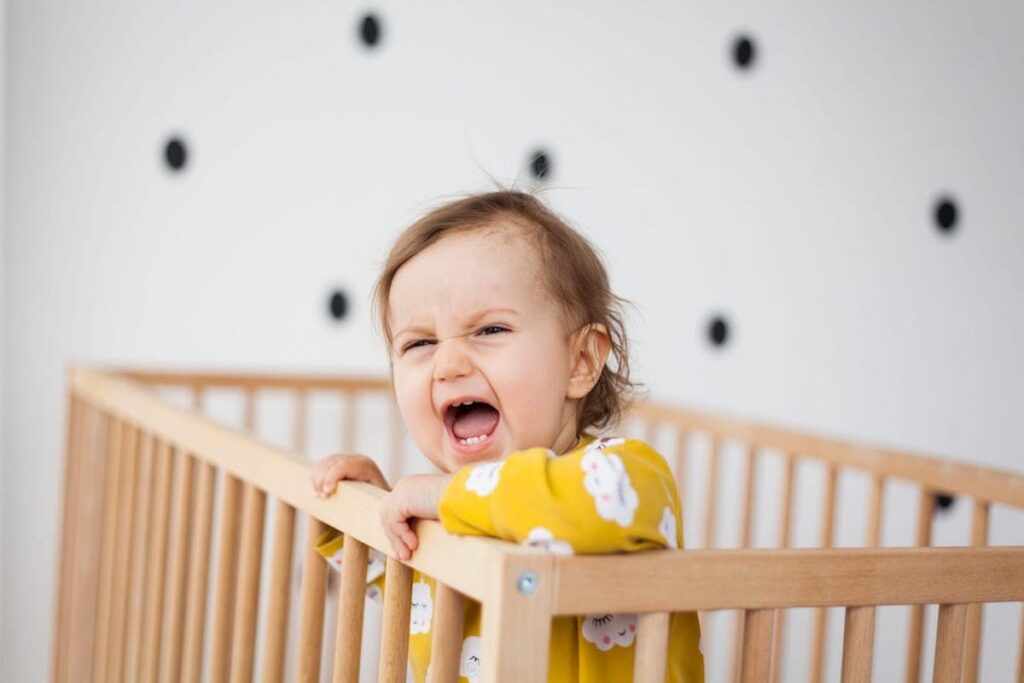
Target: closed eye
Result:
[[417, 343], [492, 329]]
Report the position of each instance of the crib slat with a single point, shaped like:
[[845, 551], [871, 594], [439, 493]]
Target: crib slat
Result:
[[446, 633], [757, 645], [272, 668], [712, 500], [71, 475], [682, 457], [247, 599], [122, 553], [785, 522], [351, 600], [972, 646], [396, 438], [394, 641], [746, 496], [249, 410], [199, 564], [141, 514], [858, 644], [174, 601], [873, 530], [949, 643], [820, 623], [226, 578], [110, 523], [651, 647], [299, 421], [348, 430], [156, 562], [925, 510], [311, 604], [1020, 649], [88, 529]]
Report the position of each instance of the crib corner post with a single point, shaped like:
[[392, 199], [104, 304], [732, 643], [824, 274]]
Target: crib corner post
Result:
[[517, 611]]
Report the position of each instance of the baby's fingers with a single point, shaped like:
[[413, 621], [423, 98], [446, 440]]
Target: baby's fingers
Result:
[[402, 537]]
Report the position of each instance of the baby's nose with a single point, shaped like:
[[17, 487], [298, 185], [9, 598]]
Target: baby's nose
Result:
[[451, 360]]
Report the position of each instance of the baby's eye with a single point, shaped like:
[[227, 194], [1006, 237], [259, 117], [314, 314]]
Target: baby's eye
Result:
[[416, 344], [492, 329]]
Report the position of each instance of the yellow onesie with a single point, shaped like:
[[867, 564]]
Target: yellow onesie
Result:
[[603, 496]]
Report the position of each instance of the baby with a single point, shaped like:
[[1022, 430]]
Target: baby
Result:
[[500, 321]]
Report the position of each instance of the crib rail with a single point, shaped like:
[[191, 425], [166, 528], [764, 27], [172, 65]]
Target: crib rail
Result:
[[149, 588]]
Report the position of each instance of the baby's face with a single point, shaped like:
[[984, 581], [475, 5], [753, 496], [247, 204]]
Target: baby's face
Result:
[[474, 324]]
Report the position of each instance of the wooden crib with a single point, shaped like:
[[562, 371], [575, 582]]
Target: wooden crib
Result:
[[179, 558]]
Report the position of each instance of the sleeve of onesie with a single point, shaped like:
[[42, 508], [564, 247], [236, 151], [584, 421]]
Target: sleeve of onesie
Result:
[[330, 545], [612, 495]]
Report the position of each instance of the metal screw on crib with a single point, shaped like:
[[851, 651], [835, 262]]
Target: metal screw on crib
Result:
[[527, 583]]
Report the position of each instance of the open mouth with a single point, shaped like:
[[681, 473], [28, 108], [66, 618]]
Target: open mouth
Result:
[[471, 423]]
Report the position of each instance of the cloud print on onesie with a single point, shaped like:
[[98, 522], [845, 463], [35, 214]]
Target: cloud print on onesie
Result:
[[607, 481], [483, 478], [667, 527], [422, 610], [540, 537], [608, 630], [469, 661]]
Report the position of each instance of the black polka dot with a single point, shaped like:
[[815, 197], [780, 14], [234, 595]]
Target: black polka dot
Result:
[[175, 154], [718, 331], [744, 52], [944, 502], [540, 164], [370, 30], [338, 305], [946, 214]]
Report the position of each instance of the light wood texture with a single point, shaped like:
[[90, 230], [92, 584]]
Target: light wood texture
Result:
[[300, 421], [972, 645], [394, 639], [746, 530], [156, 569], [254, 380], [127, 486], [915, 627], [311, 605], [711, 505], [858, 644], [349, 415], [785, 524], [757, 645], [1020, 651], [682, 460], [142, 510], [199, 562], [113, 488], [516, 629], [446, 633], [225, 579], [174, 601], [828, 515], [351, 601], [651, 655], [247, 599], [949, 643], [66, 557], [280, 590]]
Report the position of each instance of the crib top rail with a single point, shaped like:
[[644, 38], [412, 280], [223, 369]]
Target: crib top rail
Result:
[[937, 473]]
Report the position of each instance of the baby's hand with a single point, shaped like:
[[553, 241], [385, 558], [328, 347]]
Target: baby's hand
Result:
[[414, 496], [334, 468]]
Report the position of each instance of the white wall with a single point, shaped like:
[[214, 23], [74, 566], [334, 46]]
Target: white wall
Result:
[[795, 198]]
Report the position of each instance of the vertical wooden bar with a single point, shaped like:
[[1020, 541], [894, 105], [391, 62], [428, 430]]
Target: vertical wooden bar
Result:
[[352, 599], [88, 530], [174, 600], [275, 634], [757, 645], [516, 623], [1020, 649], [682, 439], [873, 530], [122, 558], [649, 661], [446, 633], [827, 524], [396, 437], [712, 500], [949, 643], [140, 520], [278, 599], [243, 648], [785, 523], [348, 430], [858, 644], [925, 510], [249, 410], [746, 496], [394, 641], [106, 588], [224, 583], [156, 563], [979, 537], [311, 605], [198, 571], [67, 547]]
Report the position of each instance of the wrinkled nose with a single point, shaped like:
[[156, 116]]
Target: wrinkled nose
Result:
[[451, 361]]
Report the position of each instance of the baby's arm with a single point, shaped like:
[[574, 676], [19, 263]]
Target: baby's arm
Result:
[[614, 495]]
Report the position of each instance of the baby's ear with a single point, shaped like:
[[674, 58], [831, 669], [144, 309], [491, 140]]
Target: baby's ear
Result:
[[589, 347]]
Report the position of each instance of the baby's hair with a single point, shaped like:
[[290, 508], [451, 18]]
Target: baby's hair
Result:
[[573, 270]]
